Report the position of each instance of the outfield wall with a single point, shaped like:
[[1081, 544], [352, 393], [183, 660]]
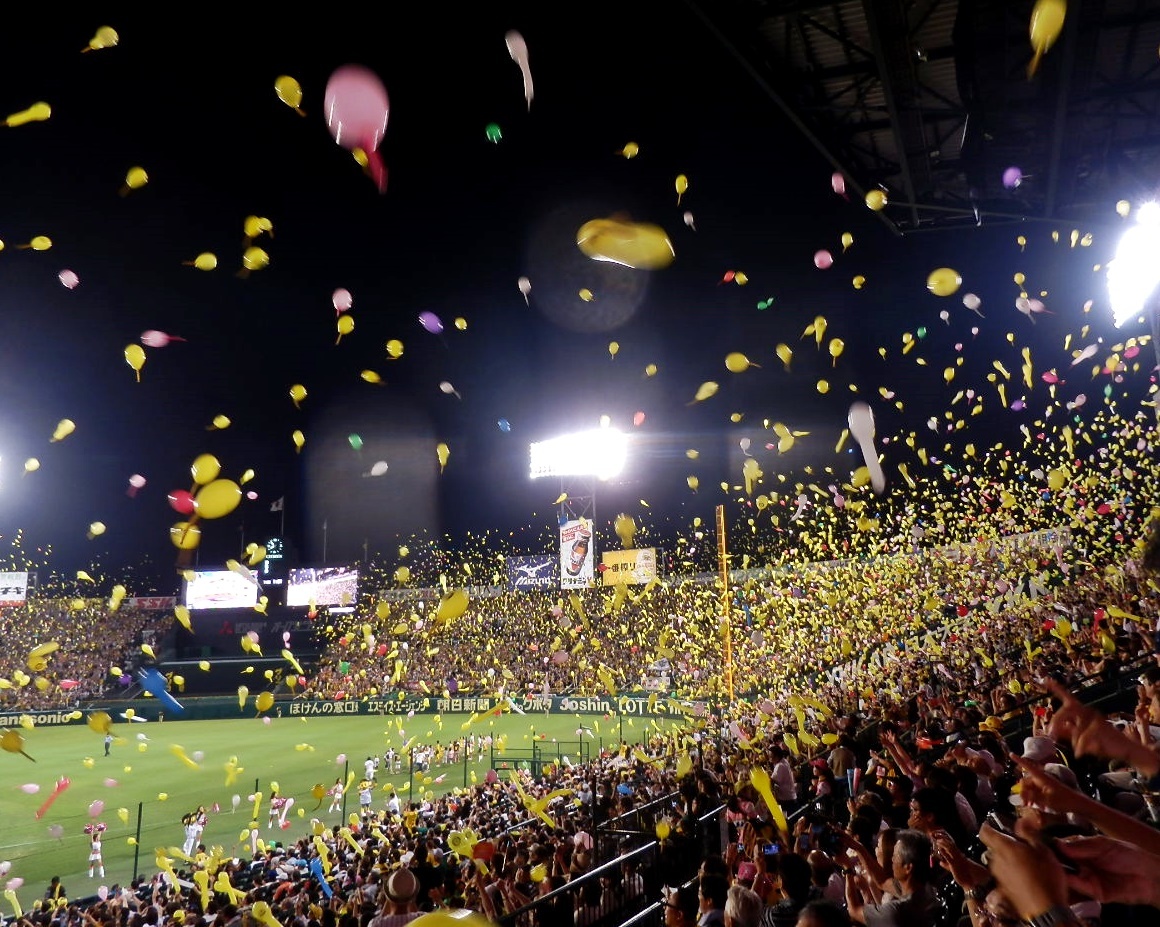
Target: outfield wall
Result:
[[633, 704]]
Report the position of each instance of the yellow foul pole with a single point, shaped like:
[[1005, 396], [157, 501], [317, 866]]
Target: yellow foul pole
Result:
[[726, 604]]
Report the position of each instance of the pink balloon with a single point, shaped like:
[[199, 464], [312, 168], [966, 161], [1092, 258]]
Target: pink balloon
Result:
[[13, 884], [342, 300], [155, 339], [111, 783], [340, 759], [823, 259], [30, 788], [95, 808], [136, 481], [430, 321], [838, 182], [251, 495], [56, 830], [103, 892], [357, 108], [69, 279], [67, 684]]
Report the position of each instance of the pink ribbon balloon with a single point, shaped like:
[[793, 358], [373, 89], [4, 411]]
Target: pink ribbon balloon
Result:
[[357, 108], [156, 339]]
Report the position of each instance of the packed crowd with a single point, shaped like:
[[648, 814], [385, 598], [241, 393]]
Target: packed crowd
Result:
[[911, 802], [90, 639]]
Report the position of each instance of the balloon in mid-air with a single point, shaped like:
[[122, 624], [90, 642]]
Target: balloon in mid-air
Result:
[[633, 244], [357, 108]]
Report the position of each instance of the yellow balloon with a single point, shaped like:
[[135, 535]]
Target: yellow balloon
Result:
[[64, 428], [38, 112], [632, 244], [205, 261], [682, 185], [105, 37], [371, 376], [136, 178], [345, 324], [220, 421], [858, 282], [847, 240], [31, 465], [185, 536], [264, 701], [217, 498], [943, 281], [256, 225], [693, 482], [452, 605], [402, 575], [255, 258], [837, 346], [876, 200], [135, 358], [823, 387], [613, 348], [785, 353], [297, 393], [205, 469], [289, 91], [443, 453], [299, 439], [586, 295], [394, 349], [736, 362], [706, 390], [1044, 28]]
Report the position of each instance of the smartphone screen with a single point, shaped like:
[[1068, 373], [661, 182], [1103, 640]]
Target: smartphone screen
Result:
[[772, 849]]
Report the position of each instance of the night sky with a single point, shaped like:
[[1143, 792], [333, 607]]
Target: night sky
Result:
[[191, 99]]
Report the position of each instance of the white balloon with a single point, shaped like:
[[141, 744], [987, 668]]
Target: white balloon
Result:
[[378, 468]]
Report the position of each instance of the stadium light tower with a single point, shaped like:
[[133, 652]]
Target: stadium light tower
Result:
[[1134, 274], [580, 460]]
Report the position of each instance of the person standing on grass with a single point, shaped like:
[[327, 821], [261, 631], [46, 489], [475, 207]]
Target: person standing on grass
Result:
[[96, 861]]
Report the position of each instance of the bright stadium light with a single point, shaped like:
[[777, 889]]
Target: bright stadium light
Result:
[[599, 453], [1134, 273]]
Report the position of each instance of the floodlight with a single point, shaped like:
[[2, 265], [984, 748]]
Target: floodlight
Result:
[[599, 453], [1134, 273]]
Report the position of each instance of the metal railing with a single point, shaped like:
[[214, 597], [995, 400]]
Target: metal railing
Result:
[[599, 898]]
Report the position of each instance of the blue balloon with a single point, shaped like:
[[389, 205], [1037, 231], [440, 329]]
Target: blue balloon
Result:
[[154, 683], [504, 425], [316, 871]]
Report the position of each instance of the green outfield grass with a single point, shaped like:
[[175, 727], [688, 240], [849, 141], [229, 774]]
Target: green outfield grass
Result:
[[295, 753]]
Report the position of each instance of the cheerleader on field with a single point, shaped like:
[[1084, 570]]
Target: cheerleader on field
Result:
[[96, 861]]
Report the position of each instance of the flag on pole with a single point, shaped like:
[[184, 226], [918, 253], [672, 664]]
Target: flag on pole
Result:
[[277, 504]]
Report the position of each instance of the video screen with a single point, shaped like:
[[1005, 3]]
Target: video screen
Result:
[[219, 589], [328, 586]]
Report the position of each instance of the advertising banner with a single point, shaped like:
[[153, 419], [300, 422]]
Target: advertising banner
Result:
[[576, 554], [152, 603], [13, 588], [648, 705], [631, 567], [536, 572]]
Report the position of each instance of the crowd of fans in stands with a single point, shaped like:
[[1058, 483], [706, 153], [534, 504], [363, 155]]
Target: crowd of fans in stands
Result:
[[933, 770]]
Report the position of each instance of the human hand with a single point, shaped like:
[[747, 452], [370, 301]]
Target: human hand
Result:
[[1029, 875], [1112, 870], [1088, 731], [1040, 790], [964, 870]]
